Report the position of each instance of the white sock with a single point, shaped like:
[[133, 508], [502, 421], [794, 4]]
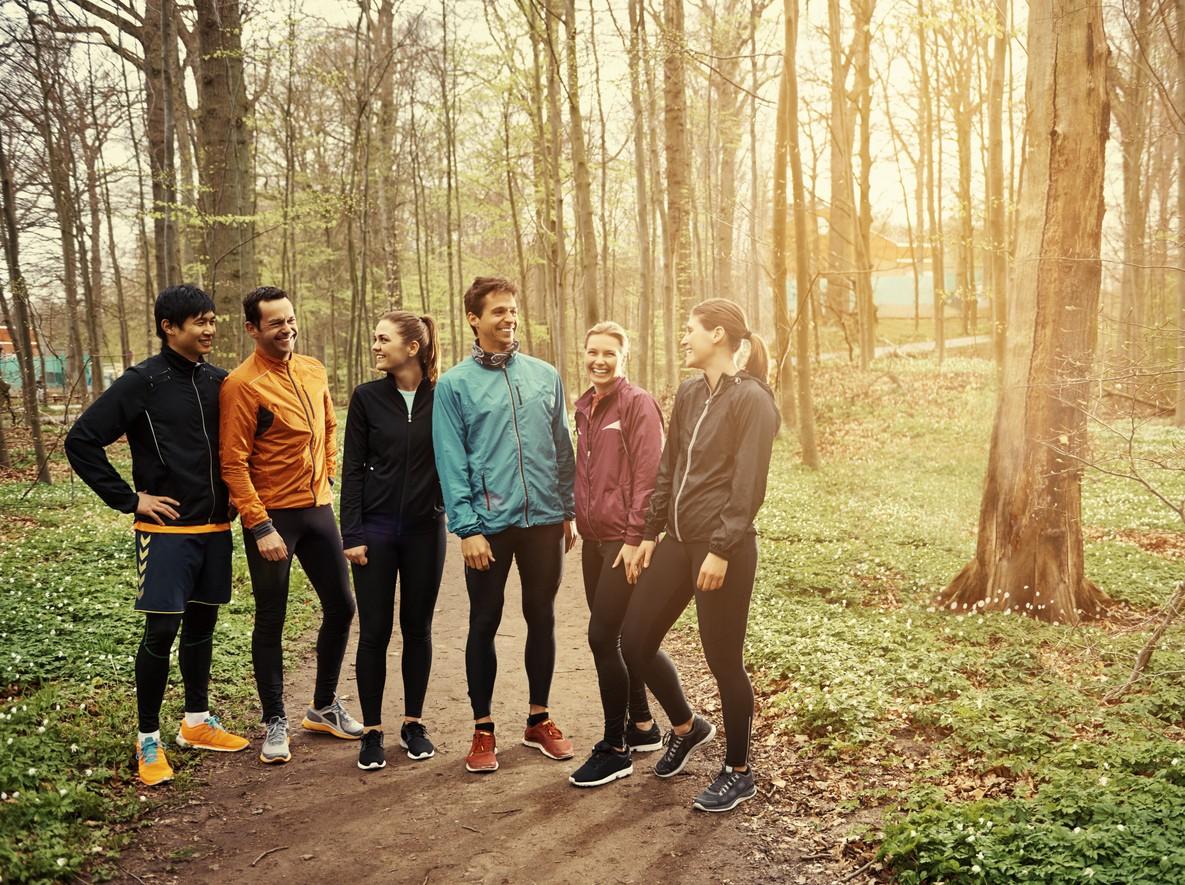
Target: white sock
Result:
[[140, 736], [195, 719]]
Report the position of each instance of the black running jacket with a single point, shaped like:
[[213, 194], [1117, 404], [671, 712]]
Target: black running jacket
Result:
[[168, 408], [711, 479]]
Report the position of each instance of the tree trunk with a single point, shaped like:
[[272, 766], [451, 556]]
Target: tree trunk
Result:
[[802, 275], [1029, 556], [937, 272], [23, 341], [227, 191], [389, 176], [1180, 44], [158, 84], [997, 245], [645, 256], [586, 234], [678, 160], [841, 225], [862, 62], [783, 367]]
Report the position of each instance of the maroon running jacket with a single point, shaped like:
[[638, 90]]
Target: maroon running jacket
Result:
[[618, 447]]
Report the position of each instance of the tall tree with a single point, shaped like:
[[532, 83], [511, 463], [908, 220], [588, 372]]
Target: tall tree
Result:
[[997, 261], [1028, 556], [677, 156], [586, 235]]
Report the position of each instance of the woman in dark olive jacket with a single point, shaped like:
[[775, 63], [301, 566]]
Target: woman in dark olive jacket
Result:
[[711, 483], [619, 441], [392, 521]]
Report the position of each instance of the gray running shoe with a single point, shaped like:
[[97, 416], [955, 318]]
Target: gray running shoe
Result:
[[333, 720], [729, 790], [275, 745]]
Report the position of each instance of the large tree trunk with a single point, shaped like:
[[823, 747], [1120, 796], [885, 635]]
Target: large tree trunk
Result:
[[157, 33], [934, 219], [1180, 42], [802, 275], [645, 257], [389, 176], [1029, 553], [862, 64], [841, 218], [227, 191], [783, 370]]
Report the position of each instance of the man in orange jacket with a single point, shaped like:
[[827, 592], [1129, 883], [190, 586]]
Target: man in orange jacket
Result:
[[279, 454]]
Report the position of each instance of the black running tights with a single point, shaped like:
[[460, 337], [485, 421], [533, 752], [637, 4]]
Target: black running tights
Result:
[[194, 656], [608, 595], [539, 552], [311, 536], [417, 561], [660, 597]]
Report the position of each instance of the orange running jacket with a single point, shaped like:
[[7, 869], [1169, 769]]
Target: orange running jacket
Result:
[[278, 436]]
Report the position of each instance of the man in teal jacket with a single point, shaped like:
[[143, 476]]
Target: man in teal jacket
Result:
[[506, 466]]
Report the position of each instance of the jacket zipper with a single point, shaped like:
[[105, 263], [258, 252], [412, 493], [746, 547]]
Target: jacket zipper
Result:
[[687, 467], [312, 433], [522, 471], [589, 473], [209, 448], [406, 458], [155, 442]]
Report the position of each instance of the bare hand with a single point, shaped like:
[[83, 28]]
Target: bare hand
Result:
[[156, 506], [569, 535], [630, 556], [272, 547], [645, 554], [356, 555], [711, 573], [477, 553]]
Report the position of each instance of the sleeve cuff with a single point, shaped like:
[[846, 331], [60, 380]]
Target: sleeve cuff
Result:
[[720, 550], [262, 530], [634, 540]]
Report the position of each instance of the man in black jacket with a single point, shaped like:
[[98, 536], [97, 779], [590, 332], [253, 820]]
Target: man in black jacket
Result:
[[168, 408]]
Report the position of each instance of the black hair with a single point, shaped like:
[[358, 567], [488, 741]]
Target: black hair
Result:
[[251, 310], [178, 304]]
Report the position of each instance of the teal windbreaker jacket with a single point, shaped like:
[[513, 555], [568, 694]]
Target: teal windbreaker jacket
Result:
[[503, 448]]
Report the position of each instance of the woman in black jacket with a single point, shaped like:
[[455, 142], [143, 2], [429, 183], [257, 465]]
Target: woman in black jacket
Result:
[[711, 483], [392, 520]]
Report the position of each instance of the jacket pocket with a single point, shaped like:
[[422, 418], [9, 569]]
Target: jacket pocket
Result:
[[485, 492]]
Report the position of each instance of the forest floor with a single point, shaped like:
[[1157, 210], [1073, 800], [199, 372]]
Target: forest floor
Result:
[[892, 739]]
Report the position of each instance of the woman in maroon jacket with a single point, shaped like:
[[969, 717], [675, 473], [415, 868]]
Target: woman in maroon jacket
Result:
[[619, 443]]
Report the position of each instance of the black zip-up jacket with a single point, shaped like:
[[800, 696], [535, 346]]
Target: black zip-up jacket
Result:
[[168, 408], [389, 482], [711, 479]]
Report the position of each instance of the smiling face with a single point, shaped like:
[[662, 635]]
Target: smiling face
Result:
[[498, 321], [699, 344], [390, 351], [603, 360], [194, 338], [275, 336]]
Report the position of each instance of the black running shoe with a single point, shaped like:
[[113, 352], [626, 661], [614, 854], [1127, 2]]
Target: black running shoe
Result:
[[643, 741], [679, 746], [371, 754], [729, 790], [413, 737], [604, 765]]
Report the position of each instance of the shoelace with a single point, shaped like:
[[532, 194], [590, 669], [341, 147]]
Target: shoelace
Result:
[[553, 730], [213, 722], [673, 741], [148, 750], [724, 782], [277, 730]]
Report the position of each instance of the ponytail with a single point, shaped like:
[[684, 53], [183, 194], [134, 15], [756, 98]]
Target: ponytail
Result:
[[757, 364]]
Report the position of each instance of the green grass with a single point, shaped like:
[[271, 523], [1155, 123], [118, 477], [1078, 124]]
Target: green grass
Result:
[[68, 636], [853, 657]]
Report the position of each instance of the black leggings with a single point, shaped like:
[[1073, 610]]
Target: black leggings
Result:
[[194, 656], [608, 595], [311, 536], [660, 597], [418, 562], [539, 551]]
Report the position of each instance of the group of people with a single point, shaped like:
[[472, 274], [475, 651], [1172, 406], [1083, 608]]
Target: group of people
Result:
[[483, 451]]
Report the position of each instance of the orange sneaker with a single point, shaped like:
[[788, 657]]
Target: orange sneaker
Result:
[[210, 735], [483, 754], [547, 738], [153, 764]]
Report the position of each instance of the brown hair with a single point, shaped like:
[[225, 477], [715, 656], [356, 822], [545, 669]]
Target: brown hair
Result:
[[251, 300], [729, 317], [421, 329], [612, 329], [481, 288]]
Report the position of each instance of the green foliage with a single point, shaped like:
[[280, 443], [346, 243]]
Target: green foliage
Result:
[[68, 637], [1019, 772]]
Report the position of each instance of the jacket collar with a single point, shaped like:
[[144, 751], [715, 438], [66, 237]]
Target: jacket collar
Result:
[[177, 361], [272, 362], [584, 404]]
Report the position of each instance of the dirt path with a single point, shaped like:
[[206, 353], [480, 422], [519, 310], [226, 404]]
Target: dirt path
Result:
[[432, 821]]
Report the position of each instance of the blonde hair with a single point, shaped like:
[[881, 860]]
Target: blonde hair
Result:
[[612, 329]]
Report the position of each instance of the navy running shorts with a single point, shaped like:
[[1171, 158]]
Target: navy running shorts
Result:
[[177, 568]]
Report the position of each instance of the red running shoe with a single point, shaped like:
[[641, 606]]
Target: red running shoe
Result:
[[483, 754], [547, 738]]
